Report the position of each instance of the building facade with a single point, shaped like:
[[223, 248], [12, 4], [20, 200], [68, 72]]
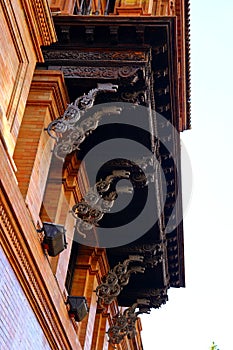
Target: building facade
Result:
[[61, 61]]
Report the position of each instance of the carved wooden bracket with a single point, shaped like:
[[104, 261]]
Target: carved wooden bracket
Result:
[[116, 279]]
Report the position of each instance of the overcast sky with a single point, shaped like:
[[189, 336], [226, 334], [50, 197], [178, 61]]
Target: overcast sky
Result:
[[203, 311]]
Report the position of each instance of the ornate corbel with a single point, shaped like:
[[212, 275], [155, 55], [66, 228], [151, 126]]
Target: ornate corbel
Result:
[[124, 324], [96, 202], [116, 279], [68, 131]]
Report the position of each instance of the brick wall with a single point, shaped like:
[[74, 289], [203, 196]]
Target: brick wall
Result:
[[19, 328]]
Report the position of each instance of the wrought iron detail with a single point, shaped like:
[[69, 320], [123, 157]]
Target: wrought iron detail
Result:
[[68, 131], [116, 279], [125, 323]]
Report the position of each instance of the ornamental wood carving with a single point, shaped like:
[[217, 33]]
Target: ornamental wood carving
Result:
[[116, 279], [95, 55], [99, 72]]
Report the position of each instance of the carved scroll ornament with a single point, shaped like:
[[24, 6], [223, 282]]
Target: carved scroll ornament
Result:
[[116, 279], [95, 55], [68, 131], [97, 201], [125, 323], [99, 72]]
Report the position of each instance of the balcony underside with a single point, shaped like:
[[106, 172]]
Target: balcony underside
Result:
[[137, 56]]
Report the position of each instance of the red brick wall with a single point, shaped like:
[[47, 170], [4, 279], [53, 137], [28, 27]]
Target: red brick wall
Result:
[[20, 328]]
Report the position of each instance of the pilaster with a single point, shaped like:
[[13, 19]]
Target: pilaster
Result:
[[47, 100], [91, 265]]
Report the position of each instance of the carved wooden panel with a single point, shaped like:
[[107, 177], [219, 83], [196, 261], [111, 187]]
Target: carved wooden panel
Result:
[[97, 72], [94, 55]]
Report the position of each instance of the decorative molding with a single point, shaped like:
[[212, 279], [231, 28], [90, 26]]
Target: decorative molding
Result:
[[39, 20], [114, 56], [45, 80], [98, 72]]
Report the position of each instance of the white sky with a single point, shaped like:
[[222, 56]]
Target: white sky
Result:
[[203, 311]]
